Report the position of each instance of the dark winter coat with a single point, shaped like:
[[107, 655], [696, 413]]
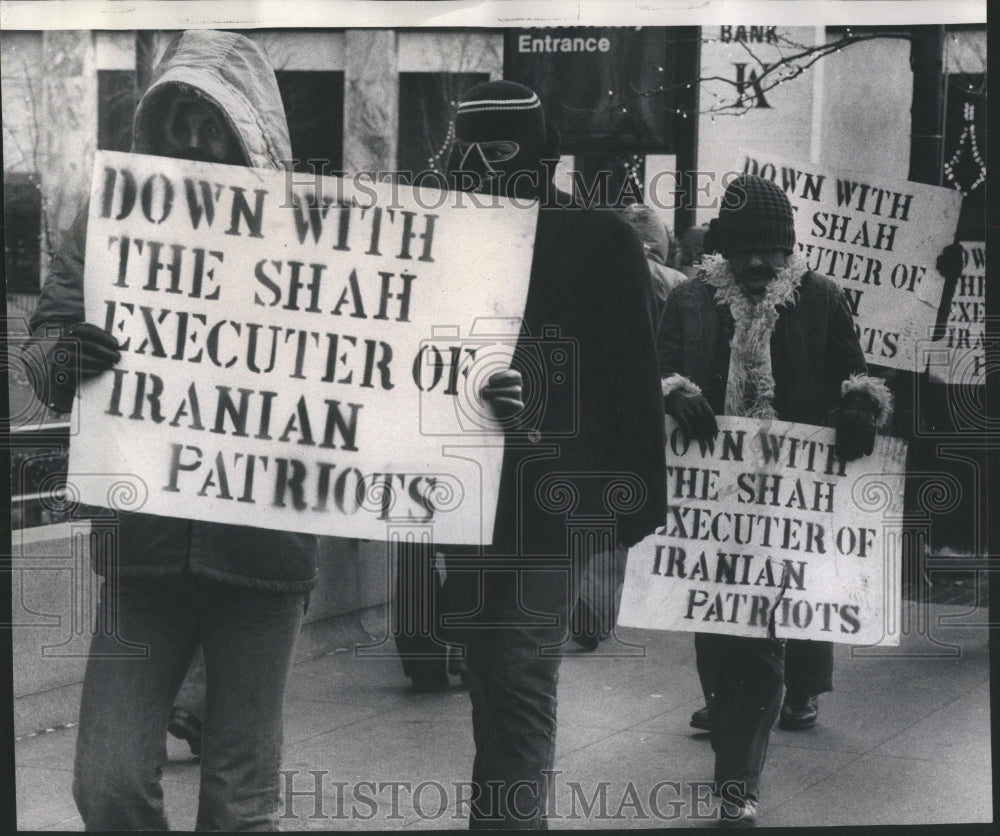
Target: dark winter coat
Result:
[[814, 347], [600, 411]]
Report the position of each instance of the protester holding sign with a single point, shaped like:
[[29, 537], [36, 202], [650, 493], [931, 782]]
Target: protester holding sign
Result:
[[172, 584], [755, 334], [588, 446]]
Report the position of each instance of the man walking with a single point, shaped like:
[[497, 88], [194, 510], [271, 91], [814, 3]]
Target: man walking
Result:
[[589, 446], [755, 334]]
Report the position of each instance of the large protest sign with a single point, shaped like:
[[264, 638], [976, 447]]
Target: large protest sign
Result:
[[960, 356], [297, 356], [879, 240], [765, 524]]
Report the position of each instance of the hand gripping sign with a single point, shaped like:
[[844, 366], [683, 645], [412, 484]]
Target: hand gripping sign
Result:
[[766, 526], [298, 356]]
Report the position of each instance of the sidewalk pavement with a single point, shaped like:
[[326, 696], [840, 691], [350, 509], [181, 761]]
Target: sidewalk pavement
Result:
[[904, 739]]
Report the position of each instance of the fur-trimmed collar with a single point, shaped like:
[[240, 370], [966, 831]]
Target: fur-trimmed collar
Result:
[[717, 272], [750, 387]]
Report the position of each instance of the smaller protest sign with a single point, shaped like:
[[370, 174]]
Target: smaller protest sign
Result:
[[765, 529], [879, 240]]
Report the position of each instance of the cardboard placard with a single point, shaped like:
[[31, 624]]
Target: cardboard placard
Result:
[[301, 356], [765, 524]]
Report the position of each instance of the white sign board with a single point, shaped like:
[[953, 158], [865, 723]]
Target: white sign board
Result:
[[960, 356], [878, 239], [301, 357], [766, 525]]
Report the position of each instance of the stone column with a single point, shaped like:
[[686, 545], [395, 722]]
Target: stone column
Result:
[[371, 100], [69, 119]]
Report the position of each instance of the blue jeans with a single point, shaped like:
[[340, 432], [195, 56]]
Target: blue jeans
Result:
[[513, 623], [247, 636]]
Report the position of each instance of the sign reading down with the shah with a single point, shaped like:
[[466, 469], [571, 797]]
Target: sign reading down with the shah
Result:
[[297, 355], [766, 529]]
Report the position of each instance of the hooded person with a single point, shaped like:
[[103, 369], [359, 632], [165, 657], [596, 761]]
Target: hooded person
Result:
[[588, 446], [655, 239], [756, 334], [170, 585], [694, 244]]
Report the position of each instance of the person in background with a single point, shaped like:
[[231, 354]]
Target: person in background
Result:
[[656, 243], [808, 673], [589, 286], [692, 249], [185, 719], [596, 611], [756, 334], [419, 599]]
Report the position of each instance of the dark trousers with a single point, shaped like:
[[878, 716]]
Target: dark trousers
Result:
[[808, 667], [742, 679], [418, 603], [191, 696], [601, 593], [512, 622], [247, 636]]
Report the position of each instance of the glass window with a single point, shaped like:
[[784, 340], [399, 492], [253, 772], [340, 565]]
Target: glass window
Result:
[[314, 107], [427, 103], [22, 213]]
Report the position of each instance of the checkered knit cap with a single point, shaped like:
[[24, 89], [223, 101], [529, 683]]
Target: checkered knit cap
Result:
[[501, 110], [755, 215]]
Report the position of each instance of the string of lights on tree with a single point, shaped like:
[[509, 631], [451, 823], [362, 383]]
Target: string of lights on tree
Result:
[[966, 141], [795, 59], [434, 160]]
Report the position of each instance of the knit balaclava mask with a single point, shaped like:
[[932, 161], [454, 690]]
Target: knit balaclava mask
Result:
[[500, 140]]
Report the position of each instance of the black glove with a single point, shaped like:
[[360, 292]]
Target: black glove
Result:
[[502, 393], [83, 351], [855, 428], [693, 413], [951, 261]]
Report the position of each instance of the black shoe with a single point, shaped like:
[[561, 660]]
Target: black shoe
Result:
[[426, 682], [185, 726], [741, 813], [798, 714], [457, 667], [699, 720], [582, 627]]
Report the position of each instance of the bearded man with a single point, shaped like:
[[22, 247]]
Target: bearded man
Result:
[[755, 334]]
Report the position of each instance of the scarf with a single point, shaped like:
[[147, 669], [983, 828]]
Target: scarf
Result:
[[750, 386]]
